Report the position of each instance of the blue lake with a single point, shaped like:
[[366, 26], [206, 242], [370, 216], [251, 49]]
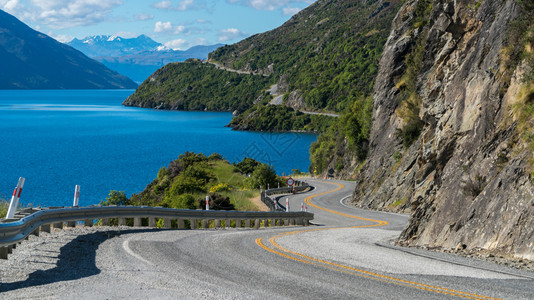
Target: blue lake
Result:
[[59, 138]]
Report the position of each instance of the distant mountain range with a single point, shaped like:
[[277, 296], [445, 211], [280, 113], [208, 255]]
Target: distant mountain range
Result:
[[137, 57], [32, 60]]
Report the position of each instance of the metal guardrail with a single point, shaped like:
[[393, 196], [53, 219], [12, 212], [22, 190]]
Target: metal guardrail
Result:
[[13, 231], [273, 204]]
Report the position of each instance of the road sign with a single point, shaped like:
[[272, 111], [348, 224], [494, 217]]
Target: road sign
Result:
[[290, 181]]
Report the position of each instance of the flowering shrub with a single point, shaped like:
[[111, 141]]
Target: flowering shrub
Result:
[[221, 187]]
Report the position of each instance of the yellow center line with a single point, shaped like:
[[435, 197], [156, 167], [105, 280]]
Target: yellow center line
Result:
[[348, 269]]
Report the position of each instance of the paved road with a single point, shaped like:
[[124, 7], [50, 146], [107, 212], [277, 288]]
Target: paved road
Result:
[[346, 255]]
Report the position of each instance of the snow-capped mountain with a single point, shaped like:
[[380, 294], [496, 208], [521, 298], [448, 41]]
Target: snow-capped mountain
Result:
[[137, 57], [111, 45]]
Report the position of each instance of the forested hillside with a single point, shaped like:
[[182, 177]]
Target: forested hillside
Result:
[[324, 59], [194, 85]]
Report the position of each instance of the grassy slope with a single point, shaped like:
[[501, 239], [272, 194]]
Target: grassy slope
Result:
[[162, 190]]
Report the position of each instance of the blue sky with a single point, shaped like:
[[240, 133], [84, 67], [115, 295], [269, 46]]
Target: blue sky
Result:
[[178, 24]]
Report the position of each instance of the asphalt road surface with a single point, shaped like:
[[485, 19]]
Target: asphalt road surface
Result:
[[346, 254]]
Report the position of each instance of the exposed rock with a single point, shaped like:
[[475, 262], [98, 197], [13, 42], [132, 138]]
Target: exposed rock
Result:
[[464, 179]]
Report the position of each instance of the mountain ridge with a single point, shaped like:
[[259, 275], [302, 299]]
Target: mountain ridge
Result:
[[136, 58], [33, 60]]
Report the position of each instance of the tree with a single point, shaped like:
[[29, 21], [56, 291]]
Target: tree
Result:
[[115, 198], [183, 201], [247, 165], [264, 174]]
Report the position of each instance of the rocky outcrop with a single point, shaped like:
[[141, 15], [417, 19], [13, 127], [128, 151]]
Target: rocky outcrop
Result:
[[465, 179]]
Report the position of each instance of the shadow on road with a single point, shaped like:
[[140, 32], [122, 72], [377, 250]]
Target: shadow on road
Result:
[[75, 261]]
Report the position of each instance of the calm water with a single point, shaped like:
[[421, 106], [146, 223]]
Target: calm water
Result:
[[57, 139]]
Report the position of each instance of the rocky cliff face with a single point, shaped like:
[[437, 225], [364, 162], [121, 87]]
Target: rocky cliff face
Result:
[[466, 178]]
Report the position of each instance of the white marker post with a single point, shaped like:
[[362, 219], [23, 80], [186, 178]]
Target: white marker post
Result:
[[302, 206], [76, 196], [287, 204], [15, 199], [207, 202]]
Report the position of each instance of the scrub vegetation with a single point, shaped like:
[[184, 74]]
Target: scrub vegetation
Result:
[[4, 206], [186, 181]]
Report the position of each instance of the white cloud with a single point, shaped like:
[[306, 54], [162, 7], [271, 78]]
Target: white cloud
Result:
[[231, 34], [143, 17], [179, 29], [177, 44], [186, 4], [9, 5], [162, 27], [59, 14], [61, 37], [167, 27], [289, 11], [166, 4], [270, 4]]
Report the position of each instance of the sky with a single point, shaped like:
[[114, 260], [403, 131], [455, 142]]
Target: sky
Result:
[[178, 24]]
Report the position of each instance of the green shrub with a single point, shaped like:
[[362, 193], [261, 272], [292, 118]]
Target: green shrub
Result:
[[247, 165], [4, 206], [264, 175], [115, 198], [183, 201]]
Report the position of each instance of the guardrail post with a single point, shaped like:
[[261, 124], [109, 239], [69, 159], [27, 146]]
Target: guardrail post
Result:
[[71, 224], [15, 199], [36, 232], [122, 222], [286, 222], [10, 248], [238, 223], [167, 223], [205, 223], [247, 223], [257, 223], [88, 223], [46, 228], [137, 222], [228, 223], [265, 223], [181, 223], [58, 225], [217, 223], [152, 222], [193, 223], [287, 204], [292, 221], [3, 253], [76, 196], [273, 222]]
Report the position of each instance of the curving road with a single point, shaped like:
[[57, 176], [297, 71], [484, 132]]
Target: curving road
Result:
[[346, 255]]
